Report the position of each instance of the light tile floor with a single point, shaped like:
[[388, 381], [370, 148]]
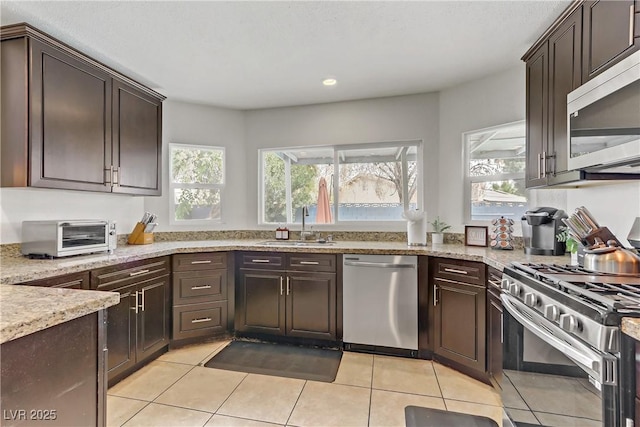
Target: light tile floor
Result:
[[176, 390]]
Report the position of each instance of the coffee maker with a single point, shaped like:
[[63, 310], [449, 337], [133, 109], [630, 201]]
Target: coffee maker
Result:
[[540, 226]]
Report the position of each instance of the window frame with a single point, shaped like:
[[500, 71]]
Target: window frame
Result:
[[469, 180], [336, 148], [177, 185]]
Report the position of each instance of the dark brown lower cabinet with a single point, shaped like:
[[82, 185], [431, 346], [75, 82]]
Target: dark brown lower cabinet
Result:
[[138, 327], [278, 302], [68, 281], [55, 377], [459, 314]]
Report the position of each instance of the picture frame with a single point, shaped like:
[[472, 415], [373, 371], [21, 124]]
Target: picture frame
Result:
[[476, 235]]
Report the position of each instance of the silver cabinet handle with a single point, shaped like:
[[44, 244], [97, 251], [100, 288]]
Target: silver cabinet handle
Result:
[[378, 264], [68, 284], [539, 163], [137, 273], [195, 288], [207, 261], [288, 285], [435, 297], [116, 176], [281, 288], [260, 260], [631, 19], [135, 307], [142, 298], [309, 262], [454, 270], [204, 319], [544, 164]]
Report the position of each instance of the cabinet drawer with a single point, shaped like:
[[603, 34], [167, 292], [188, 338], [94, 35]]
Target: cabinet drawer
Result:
[[70, 281], [463, 271], [197, 320], [270, 260], [199, 286], [312, 262], [494, 278], [203, 261], [117, 276]]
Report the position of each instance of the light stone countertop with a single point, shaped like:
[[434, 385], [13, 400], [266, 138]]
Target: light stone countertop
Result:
[[631, 327], [28, 309]]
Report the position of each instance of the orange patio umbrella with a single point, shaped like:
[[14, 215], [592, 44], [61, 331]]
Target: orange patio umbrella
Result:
[[323, 213]]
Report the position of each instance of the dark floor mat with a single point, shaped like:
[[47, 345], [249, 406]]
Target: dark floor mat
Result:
[[279, 360], [415, 416]]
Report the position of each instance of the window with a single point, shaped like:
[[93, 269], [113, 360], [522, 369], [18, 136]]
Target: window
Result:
[[366, 182], [196, 182], [495, 168]]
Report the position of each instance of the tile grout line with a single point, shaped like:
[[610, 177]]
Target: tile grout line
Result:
[[373, 362], [435, 373], [294, 405], [232, 391], [135, 413]]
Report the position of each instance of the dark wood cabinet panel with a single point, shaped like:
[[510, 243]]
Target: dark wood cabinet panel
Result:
[[608, 35], [155, 317], [455, 269], [137, 142], [199, 261], [311, 262], [199, 286], [75, 123], [70, 126], [197, 320], [537, 92], [258, 260], [121, 332], [311, 308], [117, 276], [70, 281], [494, 327], [564, 76], [260, 302]]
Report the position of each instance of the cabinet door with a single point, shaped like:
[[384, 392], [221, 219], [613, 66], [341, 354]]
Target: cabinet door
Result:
[[537, 116], [153, 317], [69, 281], [564, 76], [121, 332], [260, 302], [70, 121], [137, 142], [311, 305], [608, 35], [460, 323]]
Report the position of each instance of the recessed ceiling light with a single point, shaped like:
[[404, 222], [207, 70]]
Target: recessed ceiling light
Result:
[[329, 82]]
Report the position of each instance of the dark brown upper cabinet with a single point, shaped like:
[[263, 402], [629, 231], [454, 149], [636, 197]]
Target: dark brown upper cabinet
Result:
[[72, 122], [586, 39], [608, 34]]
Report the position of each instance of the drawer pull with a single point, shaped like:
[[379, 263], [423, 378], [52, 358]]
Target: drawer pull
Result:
[[261, 260], [206, 261], [69, 284], [309, 262], [195, 288], [204, 319], [137, 273], [288, 285], [453, 270]]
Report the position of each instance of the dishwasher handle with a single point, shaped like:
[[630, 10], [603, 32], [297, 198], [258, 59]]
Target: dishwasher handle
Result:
[[378, 264]]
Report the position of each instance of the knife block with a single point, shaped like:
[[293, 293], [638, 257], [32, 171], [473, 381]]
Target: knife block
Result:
[[139, 237]]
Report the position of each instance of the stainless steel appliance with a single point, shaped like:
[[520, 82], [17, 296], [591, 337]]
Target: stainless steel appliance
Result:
[[380, 302], [60, 238], [603, 120], [565, 360], [539, 229]]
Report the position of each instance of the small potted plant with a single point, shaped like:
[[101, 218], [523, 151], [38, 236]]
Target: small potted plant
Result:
[[439, 227]]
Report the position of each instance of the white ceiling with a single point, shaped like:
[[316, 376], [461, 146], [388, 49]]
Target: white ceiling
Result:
[[248, 55]]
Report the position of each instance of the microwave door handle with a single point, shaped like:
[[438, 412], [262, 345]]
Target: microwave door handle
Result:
[[592, 363]]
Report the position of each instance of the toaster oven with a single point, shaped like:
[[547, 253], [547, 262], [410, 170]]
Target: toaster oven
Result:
[[60, 238]]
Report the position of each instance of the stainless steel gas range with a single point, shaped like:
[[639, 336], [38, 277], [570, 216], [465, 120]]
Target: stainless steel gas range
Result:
[[565, 360]]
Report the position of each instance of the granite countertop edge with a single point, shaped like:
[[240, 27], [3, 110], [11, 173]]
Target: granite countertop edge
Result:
[[631, 327]]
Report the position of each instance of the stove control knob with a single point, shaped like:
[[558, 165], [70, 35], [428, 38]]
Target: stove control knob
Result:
[[568, 322], [514, 289], [504, 284], [531, 299], [551, 312]]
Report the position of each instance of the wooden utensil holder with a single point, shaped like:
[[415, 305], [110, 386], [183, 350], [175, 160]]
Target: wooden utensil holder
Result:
[[139, 237]]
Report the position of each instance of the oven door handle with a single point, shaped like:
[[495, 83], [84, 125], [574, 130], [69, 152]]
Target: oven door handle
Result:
[[584, 357]]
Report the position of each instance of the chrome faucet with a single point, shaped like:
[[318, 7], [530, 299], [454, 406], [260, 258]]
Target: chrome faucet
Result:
[[304, 233]]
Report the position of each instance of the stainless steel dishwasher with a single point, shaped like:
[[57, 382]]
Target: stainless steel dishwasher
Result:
[[380, 301]]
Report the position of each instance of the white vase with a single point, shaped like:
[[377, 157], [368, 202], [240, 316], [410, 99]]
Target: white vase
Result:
[[437, 238], [574, 258]]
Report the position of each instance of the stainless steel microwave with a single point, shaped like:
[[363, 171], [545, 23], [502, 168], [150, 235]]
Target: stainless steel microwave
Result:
[[604, 120], [59, 238]]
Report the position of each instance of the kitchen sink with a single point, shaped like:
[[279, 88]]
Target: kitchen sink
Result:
[[295, 243]]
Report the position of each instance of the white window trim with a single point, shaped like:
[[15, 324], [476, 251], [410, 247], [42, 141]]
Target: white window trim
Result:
[[174, 185], [337, 224], [468, 179]]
